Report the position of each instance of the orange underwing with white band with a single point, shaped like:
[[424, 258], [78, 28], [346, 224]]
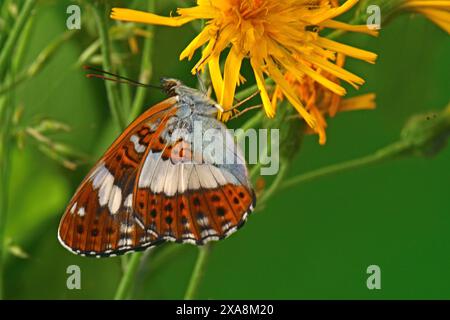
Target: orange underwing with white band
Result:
[[152, 185]]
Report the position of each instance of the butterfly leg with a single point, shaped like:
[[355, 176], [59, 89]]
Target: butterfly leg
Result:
[[240, 113], [242, 102]]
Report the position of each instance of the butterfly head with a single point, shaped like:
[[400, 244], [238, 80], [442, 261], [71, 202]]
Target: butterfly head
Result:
[[170, 85], [174, 87]]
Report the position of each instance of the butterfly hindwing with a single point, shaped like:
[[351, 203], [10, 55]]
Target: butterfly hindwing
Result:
[[186, 197]]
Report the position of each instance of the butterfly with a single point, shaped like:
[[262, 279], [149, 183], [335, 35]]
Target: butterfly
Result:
[[152, 186]]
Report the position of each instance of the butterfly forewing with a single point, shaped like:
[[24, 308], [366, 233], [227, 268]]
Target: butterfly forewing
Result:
[[99, 220]]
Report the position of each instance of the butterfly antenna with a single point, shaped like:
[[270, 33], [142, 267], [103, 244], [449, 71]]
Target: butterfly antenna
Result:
[[117, 78]]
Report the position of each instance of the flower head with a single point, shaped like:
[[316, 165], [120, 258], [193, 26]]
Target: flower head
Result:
[[278, 37]]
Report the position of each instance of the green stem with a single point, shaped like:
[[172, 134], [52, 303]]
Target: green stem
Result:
[[274, 185], [4, 181], [6, 114], [159, 257], [131, 265], [390, 152], [88, 53], [146, 68], [253, 122], [6, 19], [288, 134], [111, 88], [11, 41], [22, 44], [128, 277], [198, 272], [419, 137], [37, 65], [125, 92], [165, 254]]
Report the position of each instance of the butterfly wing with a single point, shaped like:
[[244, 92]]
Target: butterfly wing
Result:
[[99, 220], [151, 186], [184, 196]]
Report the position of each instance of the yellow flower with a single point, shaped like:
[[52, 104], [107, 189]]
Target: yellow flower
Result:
[[320, 101], [436, 11], [271, 34]]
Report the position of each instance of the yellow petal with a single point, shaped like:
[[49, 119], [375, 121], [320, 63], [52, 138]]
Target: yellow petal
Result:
[[218, 42], [298, 69], [270, 112], [334, 12], [444, 4], [337, 71], [199, 12], [198, 41], [277, 95], [362, 102], [223, 37], [216, 75], [348, 27], [321, 125], [289, 93], [206, 56], [231, 77], [436, 11], [439, 17], [149, 18], [347, 50]]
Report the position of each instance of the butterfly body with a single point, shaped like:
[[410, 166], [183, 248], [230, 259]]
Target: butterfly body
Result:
[[156, 183]]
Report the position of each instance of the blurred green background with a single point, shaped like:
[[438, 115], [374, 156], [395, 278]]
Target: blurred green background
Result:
[[314, 241]]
